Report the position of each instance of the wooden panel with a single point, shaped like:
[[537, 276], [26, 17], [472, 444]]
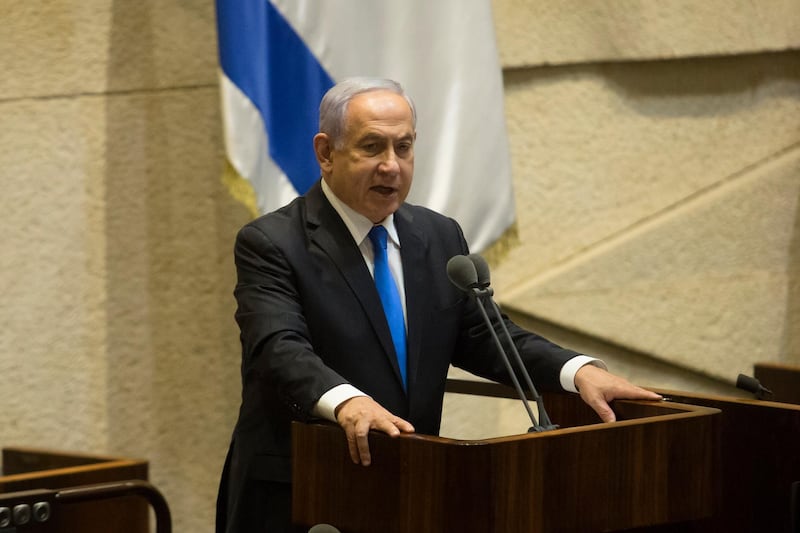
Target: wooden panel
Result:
[[657, 466], [760, 458], [758, 454]]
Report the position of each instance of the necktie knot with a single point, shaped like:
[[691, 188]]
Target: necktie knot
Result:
[[378, 235]]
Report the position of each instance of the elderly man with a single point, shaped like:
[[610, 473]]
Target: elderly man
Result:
[[346, 312]]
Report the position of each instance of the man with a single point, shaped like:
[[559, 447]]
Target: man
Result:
[[316, 341]]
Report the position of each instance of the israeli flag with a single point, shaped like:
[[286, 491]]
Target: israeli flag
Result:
[[278, 58]]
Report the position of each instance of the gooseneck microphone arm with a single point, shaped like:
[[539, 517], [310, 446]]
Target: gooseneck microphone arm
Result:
[[474, 281], [507, 363], [544, 420], [482, 270]]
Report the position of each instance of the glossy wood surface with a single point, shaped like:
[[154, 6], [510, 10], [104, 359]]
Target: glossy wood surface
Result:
[[657, 465], [759, 458], [760, 461]]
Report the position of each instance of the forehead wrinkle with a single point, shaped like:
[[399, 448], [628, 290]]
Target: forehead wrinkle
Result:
[[378, 134]]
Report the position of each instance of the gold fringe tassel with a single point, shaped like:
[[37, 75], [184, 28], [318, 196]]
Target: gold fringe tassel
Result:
[[240, 189], [500, 248]]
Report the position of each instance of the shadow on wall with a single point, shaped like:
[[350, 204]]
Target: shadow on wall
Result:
[[723, 78], [791, 342], [651, 87]]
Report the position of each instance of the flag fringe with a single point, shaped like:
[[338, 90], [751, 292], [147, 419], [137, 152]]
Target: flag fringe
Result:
[[240, 189], [501, 247]]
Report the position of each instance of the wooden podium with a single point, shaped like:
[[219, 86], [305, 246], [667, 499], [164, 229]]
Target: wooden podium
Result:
[[657, 465]]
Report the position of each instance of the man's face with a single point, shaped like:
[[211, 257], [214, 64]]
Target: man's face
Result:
[[373, 169]]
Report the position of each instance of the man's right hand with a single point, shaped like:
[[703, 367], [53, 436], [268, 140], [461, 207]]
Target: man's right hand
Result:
[[358, 416]]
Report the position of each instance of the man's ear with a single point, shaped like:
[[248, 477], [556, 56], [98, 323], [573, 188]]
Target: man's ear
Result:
[[323, 150]]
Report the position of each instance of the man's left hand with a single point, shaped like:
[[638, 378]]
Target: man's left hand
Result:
[[598, 387]]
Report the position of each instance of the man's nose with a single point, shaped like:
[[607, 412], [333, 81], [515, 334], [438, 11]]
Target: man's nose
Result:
[[389, 162]]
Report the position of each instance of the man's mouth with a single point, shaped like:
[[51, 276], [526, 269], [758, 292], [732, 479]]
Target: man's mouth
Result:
[[383, 190]]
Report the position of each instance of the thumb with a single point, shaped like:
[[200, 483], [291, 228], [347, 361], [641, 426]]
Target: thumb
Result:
[[599, 404], [604, 410]]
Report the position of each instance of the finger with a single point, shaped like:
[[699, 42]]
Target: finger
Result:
[[595, 399], [362, 442], [404, 426], [352, 445], [634, 392], [393, 426], [387, 425], [650, 395], [604, 410]]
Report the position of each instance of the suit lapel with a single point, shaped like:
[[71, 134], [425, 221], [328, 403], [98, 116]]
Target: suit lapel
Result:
[[414, 254], [326, 229]]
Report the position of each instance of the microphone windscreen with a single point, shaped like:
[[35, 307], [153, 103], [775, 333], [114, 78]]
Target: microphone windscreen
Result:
[[747, 383], [324, 528], [461, 272], [482, 269]]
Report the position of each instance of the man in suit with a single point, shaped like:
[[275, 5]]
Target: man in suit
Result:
[[316, 341]]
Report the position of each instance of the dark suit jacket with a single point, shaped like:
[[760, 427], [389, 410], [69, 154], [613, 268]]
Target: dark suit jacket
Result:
[[311, 319]]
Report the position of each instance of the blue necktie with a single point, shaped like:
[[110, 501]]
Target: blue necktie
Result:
[[390, 296]]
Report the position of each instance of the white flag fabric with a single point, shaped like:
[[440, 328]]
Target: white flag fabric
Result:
[[278, 57]]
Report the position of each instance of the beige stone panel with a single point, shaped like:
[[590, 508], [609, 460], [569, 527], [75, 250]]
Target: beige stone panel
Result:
[[546, 32], [172, 343], [597, 150], [704, 286], [117, 276], [470, 417], [52, 275], [637, 367], [70, 46]]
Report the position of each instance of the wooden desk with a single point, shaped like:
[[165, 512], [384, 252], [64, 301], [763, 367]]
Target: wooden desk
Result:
[[758, 450], [27, 469], [760, 453], [782, 380]]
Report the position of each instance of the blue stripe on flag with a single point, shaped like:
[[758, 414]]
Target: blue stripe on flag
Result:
[[263, 55]]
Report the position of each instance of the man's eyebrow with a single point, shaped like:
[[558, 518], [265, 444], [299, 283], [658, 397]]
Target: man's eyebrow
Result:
[[371, 137]]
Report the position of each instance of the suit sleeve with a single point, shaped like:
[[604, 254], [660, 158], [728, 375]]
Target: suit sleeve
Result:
[[276, 346]]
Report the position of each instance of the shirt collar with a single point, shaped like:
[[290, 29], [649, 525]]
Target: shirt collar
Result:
[[357, 224]]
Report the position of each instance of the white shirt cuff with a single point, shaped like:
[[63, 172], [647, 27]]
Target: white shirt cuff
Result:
[[328, 402], [571, 368]]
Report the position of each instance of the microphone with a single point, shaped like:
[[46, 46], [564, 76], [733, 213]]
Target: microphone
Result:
[[752, 385], [471, 275], [462, 272], [481, 270], [324, 528]]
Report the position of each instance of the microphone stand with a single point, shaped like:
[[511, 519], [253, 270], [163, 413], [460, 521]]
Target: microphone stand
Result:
[[483, 297]]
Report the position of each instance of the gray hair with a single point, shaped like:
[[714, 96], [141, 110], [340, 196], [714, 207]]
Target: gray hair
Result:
[[333, 108]]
